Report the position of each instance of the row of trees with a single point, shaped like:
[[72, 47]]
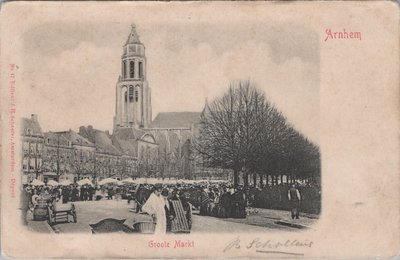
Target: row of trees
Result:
[[245, 132]]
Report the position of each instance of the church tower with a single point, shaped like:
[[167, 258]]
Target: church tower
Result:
[[133, 95]]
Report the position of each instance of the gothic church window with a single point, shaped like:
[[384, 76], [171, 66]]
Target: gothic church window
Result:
[[131, 93], [137, 96], [132, 70], [140, 69], [124, 69]]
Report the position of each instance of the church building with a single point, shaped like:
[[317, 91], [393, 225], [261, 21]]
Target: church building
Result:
[[171, 133], [133, 95], [138, 147]]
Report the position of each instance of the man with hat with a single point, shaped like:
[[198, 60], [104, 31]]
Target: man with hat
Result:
[[155, 206], [294, 199]]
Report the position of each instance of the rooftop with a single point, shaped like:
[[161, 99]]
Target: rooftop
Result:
[[175, 119]]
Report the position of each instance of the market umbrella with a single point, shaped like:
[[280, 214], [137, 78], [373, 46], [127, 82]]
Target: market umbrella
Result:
[[171, 181], [107, 181], [128, 180], [36, 182], [84, 182], [140, 181], [153, 181], [65, 183], [52, 183]]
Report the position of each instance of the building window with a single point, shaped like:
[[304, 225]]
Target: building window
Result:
[[130, 93], [137, 96], [132, 70], [26, 147], [124, 69], [140, 69]]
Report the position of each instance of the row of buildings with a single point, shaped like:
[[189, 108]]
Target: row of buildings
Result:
[[95, 154]]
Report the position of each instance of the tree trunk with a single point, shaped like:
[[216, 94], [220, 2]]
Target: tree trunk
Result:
[[254, 180], [281, 178], [235, 178], [261, 181], [246, 179]]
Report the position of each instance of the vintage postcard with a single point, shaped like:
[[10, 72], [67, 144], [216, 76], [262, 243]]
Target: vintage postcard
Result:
[[200, 130]]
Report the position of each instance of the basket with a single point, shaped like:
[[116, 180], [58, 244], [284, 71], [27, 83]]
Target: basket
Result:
[[145, 227], [40, 213]]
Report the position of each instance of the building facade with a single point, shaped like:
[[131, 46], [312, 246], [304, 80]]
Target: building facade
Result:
[[32, 148]]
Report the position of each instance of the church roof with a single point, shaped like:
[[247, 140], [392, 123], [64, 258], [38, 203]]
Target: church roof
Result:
[[175, 119], [101, 139], [55, 139], [128, 133], [76, 138], [129, 147], [133, 36], [104, 143], [33, 125]]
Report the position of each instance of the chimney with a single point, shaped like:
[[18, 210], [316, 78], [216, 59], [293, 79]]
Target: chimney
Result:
[[34, 117]]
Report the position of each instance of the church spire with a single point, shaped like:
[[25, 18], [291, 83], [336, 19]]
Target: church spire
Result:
[[133, 36], [206, 109]]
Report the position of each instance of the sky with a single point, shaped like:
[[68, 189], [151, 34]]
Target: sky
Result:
[[71, 68]]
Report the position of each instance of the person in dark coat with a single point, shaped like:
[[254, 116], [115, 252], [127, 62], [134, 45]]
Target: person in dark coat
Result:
[[169, 212], [204, 203], [56, 193], [187, 208], [90, 192], [65, 194], [110, 193], [239, 204], [142, 195], [294, 200], [225, 205], [75, 194]]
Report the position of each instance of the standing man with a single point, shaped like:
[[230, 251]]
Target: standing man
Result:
[[294, 200], [155, 206], [204, 202]]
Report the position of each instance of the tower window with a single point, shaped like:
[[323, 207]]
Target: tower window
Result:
[[137, 96], [124, 69], [140, 69], [130, 93], [132, 70]]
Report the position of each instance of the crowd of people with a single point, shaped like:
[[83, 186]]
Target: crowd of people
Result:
[[220, 200]]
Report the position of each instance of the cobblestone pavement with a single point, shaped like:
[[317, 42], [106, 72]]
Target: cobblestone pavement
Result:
[[260, 220]]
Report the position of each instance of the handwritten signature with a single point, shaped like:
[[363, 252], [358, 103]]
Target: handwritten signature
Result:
[[269, 246]]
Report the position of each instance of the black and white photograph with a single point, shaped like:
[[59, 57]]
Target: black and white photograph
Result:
[[197, 130], [188, 142]]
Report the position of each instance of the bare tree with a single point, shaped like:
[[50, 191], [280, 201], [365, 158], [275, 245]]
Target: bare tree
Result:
[[244, 132], [229, 131]]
